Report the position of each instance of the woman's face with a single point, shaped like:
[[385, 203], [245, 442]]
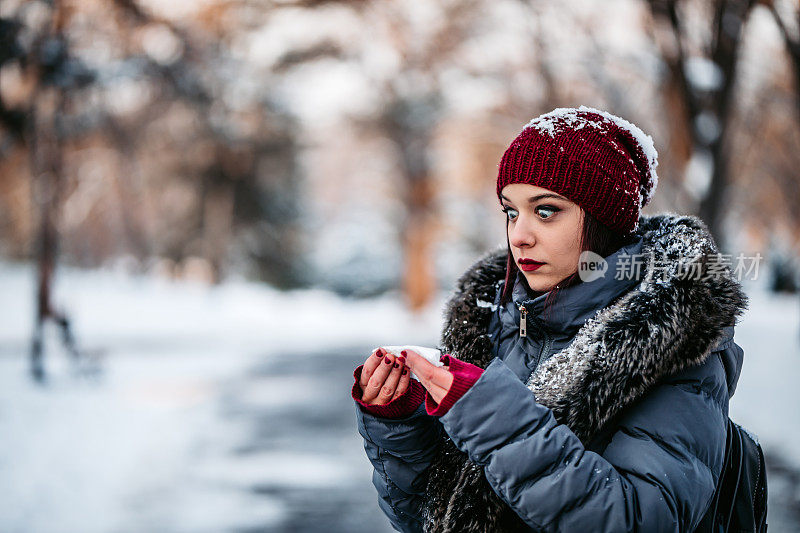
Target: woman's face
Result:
[[546, 227]]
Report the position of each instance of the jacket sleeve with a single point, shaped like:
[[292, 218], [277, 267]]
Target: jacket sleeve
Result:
[[401, 451], [657, 473]]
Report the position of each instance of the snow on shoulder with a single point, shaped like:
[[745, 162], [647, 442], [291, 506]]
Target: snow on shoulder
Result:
[[562, 118]]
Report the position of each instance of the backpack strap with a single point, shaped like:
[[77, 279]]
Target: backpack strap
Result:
[[740, 498]]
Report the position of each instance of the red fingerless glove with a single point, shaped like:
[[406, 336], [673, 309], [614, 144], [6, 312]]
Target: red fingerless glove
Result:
[[464, 376], [400, 407]]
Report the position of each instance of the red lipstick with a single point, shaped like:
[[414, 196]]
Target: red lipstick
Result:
[[529, 265]]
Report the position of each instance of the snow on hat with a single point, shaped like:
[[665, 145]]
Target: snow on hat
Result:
[[600, 161]]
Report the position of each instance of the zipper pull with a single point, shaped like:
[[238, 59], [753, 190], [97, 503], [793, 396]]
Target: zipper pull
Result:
[[523, 321]]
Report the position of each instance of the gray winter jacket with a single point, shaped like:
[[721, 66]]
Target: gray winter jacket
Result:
[[609, 415]]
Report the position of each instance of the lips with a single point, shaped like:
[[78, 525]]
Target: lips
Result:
[[529, 264]]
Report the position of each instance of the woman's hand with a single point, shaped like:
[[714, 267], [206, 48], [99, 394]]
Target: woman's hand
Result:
[[436, 379], [383, 378]]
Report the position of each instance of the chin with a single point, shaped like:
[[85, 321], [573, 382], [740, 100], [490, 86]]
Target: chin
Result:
[[538, 284]]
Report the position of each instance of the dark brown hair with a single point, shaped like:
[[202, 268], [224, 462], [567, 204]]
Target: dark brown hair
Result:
[[595, 237]]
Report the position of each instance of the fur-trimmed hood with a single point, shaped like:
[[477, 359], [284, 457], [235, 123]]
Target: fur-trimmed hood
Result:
[[684, 306]]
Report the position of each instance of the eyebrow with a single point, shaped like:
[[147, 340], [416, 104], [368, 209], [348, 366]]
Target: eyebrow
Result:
[[538, 197]]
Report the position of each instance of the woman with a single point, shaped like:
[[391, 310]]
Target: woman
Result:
[[572, 397]]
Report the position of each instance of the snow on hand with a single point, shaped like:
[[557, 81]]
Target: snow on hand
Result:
[[431, 354]]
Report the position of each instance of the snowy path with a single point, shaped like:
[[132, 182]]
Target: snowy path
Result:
[[168, 447], [218, 410], [301, 425]]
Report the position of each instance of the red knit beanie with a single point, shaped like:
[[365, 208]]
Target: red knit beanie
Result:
[[600, 161]]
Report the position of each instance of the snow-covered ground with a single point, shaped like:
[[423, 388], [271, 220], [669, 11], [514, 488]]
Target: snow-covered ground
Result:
[[144, 446], [214, 404]]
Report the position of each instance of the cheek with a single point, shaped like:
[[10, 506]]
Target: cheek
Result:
[[568, 243], [568, 257]]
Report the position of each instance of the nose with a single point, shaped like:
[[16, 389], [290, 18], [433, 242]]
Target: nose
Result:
[[521, 235]]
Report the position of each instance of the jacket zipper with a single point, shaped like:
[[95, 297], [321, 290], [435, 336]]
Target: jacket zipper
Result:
[[523, 332]]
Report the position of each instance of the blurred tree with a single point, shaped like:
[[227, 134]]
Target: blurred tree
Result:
[[40, 126], [162, 158], [414, 106], [245, 184], [702, 77], [787, 160], [409, 121], [791, 37], [149, 152]]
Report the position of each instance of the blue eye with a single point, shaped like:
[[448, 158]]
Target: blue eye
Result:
[[549, 208], [508, 211]]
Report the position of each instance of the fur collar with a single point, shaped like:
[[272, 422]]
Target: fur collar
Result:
[[671, 320]]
